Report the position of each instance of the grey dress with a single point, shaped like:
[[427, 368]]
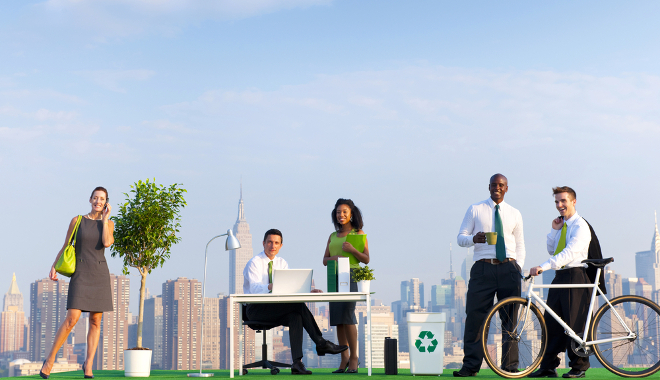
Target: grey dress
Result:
[[89, 288]]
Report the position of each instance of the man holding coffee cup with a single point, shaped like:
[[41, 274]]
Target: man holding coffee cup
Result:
[[499, 254]]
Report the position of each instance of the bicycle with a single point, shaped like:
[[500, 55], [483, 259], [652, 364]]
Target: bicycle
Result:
[[624, 334]]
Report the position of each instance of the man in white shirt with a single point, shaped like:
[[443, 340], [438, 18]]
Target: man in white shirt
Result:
[[496, 269], [258, 279], [568, 244]]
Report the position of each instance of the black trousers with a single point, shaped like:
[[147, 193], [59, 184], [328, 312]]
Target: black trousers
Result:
[[486, 281], [295, 315], [572, 305]]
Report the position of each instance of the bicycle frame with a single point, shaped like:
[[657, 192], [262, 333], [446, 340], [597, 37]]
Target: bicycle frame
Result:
[[582, 341]]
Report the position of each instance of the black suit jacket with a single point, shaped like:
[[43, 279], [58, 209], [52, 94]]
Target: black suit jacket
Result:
[[595, 253]]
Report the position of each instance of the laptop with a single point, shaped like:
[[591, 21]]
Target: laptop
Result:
[[288, 281]]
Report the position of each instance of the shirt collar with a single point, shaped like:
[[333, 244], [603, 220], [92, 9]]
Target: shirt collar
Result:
[[491, 203], [572, 220], [263, 256]]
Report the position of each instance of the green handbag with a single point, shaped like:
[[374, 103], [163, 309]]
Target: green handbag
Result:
[[66, 264]]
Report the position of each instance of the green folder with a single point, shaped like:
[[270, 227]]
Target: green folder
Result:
[[358, 242], [332, 276]]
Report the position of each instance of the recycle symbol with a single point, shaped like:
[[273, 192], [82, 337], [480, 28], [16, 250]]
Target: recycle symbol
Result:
[[421, 347]]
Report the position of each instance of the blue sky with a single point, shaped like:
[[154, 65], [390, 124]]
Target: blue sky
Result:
[[405, 107]]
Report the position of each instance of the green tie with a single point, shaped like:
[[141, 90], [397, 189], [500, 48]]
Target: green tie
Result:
[[500, 249], [562, 240], [270, 273]]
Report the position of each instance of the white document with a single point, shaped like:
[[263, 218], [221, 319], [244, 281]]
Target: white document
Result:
[[343, 275]]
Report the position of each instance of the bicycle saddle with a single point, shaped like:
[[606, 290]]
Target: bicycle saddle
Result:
[[598, 263]]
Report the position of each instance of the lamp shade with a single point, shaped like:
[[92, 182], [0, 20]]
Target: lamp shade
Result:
[[232, 242]]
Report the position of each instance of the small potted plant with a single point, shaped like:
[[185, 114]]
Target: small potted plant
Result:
[[363, 277]]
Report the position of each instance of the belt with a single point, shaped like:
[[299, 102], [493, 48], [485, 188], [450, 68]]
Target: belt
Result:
[[496, 261]]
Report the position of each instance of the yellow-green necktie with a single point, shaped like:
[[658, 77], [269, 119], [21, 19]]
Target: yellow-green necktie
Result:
[[270, 273], [562, 240]]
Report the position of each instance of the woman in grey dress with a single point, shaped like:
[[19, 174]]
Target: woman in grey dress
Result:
[[89, 288]]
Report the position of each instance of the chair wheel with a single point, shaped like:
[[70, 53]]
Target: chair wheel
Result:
[[245, 371], [274, 371]]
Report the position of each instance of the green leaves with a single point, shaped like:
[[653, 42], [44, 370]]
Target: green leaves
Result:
[[146, 225], [363, 274]]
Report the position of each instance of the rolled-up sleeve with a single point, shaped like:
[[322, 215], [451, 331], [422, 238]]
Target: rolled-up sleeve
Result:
[[466, 233], [520, 241]]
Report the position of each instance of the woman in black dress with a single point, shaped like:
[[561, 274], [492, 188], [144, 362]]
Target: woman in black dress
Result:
[[89, 288]]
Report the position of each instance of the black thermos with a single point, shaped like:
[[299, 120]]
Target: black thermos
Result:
[[391, 357]]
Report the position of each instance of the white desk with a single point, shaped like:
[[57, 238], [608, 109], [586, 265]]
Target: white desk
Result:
[[288, 298]]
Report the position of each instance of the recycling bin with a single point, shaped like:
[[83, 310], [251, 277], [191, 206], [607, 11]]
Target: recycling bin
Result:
[[426, 342]]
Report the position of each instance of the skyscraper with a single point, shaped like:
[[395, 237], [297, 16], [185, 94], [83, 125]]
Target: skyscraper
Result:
[[152, 329], [647, 263], [114, 327], [212, 333], [47, 312], [182, 307], [238, 258], [12, 320]]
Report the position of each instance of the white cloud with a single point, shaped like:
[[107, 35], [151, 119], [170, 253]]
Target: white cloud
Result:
[[111, 79]]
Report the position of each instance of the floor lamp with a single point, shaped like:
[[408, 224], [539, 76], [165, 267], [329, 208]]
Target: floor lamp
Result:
[[231, 244]]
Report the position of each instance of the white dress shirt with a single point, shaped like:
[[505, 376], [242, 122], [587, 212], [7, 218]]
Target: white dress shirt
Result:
[[578, 237], [480, 217], [255, 274]]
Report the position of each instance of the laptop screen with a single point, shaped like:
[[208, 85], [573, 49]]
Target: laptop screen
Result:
[[288, 281]]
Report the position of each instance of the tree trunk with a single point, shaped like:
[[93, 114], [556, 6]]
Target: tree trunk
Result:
[[143, 289]]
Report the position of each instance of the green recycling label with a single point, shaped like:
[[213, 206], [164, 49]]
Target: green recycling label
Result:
[[420, 346]]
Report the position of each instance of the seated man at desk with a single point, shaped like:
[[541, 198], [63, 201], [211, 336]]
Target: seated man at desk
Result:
[[258, 279]]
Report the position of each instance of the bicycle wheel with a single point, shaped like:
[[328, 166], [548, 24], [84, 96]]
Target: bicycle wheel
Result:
[[513, 339], [634, 357]]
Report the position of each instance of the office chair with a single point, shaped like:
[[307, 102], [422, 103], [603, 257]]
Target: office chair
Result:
[[264, 363]]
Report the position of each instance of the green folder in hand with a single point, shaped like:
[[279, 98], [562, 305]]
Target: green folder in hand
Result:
[[358, 242]]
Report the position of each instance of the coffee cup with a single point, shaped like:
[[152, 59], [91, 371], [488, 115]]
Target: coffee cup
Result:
[[491, 238]]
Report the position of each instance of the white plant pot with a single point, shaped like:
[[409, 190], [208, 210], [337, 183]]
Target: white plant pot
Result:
[[137, 363], [364, 286]]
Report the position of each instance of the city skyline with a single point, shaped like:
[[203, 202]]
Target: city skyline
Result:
[[407, 111]]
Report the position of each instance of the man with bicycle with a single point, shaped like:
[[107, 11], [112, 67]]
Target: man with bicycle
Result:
[[568, 244], [496, 270]]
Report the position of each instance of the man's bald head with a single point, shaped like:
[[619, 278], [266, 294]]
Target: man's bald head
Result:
[[498, 175]]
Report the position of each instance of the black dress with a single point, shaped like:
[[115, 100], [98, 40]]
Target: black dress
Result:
[[90, 288]]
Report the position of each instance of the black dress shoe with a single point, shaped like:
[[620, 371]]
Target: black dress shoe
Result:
[[298, 368], [41, 372], [548, 372], [464, 372], [327, 347], [573, 374]]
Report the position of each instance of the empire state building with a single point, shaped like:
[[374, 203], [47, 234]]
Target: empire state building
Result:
[[238, 258]]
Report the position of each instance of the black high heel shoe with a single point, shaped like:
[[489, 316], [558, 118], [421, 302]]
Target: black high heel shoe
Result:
[[340, 370], [41, 372], [91, 377], [353, 370]]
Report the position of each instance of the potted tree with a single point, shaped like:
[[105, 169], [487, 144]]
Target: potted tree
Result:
[[145, 230], [363, 277]]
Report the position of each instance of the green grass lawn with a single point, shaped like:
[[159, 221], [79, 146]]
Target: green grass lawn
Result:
[[319, 373]]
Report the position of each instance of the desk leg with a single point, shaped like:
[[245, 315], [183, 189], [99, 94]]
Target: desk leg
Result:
[[241, 330], [231, 337], [369, 333]]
